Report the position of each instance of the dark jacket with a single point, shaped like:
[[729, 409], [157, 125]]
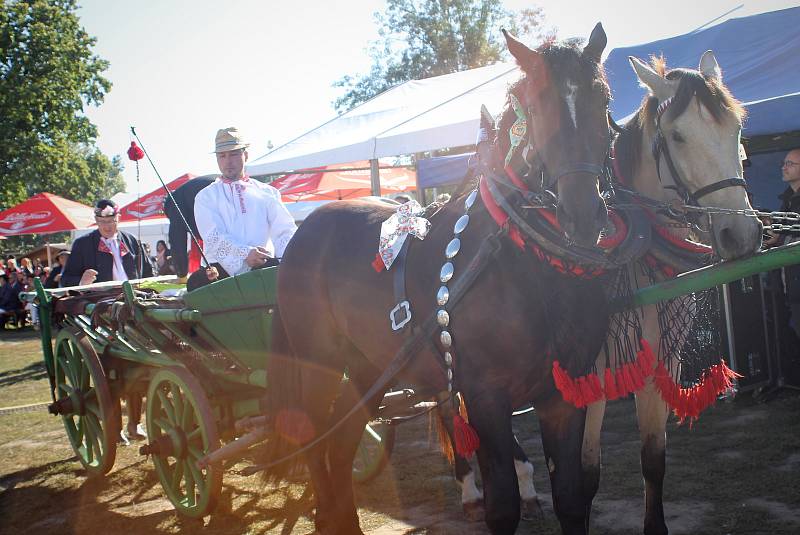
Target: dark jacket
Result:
[[87, 254], [790, 202], [9, 296], [184, 197], [51, 281]]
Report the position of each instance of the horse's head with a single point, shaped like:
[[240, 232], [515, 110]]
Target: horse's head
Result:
[[564, 98], [693, 125]]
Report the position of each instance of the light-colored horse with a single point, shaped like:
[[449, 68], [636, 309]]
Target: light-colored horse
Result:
[[700, 125]]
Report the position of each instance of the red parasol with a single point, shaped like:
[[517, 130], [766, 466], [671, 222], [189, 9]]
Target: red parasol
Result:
[[344, 184], [151, 206], [45, 213]]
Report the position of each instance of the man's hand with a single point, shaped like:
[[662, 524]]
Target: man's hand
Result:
[[57, 277], [257, 257], [88, 277]]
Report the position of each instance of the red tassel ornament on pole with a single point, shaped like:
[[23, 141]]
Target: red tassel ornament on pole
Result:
[[135, 152]]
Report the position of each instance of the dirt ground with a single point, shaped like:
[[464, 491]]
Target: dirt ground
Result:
[[735, 471]]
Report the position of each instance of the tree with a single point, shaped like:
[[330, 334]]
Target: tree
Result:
[[48, 73], [424, 38]]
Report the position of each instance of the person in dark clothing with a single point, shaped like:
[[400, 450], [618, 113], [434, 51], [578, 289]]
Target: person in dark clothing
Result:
[[178, 236], [10, 304], [105, 254], [790, 202], [54, 278]]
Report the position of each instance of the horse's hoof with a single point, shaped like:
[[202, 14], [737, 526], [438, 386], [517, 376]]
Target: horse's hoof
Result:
[[531, 510], [474, 511]]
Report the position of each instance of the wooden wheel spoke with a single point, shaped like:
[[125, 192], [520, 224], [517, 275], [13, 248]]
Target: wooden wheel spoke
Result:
[[199, 480], [166, 406], [64, 387], [190, 484], [93, 407], [178, 402], [85, 377], [177, 475], [187, 413], [163, 424], [80, 431], [194, 452], [196, 433], [95, 434]]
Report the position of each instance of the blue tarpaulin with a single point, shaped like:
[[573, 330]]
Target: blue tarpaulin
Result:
[[760, 60]]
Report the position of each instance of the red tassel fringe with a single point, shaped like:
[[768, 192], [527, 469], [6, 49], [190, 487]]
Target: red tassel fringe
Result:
[[690, 402], [466, 439], [587, 389]]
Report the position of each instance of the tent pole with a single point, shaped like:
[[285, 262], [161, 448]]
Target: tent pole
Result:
[[375, 178]]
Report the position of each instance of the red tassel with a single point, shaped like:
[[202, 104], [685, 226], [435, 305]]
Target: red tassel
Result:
[[564, 383], [627, 380], [466, 439], [135, 152], [620, 383], [378, 264], [610, 385], [645, 358], [636, 375]]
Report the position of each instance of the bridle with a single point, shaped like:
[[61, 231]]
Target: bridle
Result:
[[519, 133], [661, 148]]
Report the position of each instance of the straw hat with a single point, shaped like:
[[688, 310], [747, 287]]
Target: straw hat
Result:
[[229, 139]]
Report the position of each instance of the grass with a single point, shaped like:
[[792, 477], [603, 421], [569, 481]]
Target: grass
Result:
[[734, 471]]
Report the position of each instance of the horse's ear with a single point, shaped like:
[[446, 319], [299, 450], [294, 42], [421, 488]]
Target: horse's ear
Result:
[[648, 77], [709, 66], [521, 53], [597, 43]]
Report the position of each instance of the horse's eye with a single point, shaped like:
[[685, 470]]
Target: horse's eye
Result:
[[677, 137]]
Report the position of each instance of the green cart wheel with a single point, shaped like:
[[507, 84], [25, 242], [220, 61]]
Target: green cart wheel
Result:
[[373, 451], [182, 428], [91, 415]]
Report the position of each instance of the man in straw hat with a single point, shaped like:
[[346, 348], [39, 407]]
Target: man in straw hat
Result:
[[243, 222]]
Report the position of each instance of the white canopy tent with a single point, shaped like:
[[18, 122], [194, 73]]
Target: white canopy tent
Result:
[[416, 116]]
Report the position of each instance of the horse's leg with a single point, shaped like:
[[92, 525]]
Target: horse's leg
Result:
[[344, 444], [471, 495], [317, 410], [530, 507], [652, 413], [590, 451], [562, 428], [490, 415]]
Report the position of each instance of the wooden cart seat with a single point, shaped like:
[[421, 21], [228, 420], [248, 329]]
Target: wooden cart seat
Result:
[[237, 314]]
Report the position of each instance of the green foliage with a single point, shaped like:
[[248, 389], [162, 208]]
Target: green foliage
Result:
[[48, 73], [424, 38]]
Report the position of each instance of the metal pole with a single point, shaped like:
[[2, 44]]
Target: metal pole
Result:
[[711, 276], [375, 177]]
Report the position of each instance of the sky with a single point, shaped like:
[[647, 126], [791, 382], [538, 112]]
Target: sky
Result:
[[181, 69]]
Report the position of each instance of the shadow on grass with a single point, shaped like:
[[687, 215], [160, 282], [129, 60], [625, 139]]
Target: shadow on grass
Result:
[[58, 498], [31, 372]]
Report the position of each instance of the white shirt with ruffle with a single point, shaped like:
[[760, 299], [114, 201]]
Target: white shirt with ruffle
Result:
[[234, 217]]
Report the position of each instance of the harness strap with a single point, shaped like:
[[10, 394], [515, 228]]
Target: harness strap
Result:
[[721, 184], [401, 313], [421, 335]]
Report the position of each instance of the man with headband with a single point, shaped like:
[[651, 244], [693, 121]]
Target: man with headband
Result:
[[105, 254]]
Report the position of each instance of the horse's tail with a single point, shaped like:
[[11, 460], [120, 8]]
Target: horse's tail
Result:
[[441, 419], [283, 394]]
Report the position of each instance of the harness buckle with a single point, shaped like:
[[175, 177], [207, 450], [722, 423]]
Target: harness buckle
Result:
[[405, 307]]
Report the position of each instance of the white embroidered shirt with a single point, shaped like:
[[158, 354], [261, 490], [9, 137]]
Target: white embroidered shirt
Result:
[[234, 217], [118, 270]]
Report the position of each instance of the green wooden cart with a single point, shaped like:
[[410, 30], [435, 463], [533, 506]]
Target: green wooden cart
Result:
[[199, 361]]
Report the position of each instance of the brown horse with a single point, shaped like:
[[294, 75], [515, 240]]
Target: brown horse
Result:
[[501, 334]]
